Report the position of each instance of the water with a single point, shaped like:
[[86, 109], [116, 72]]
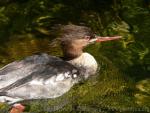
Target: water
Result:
[[110, 91]]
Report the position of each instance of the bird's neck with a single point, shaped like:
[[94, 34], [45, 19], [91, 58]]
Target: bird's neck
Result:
[[72, 53]]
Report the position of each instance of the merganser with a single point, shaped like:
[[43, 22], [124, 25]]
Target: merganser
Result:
[[44, 76]]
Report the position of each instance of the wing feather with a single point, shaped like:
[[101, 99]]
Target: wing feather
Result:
[[46, 75]]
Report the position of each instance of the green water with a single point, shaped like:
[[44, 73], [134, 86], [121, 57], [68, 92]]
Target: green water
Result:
[[122, 84]]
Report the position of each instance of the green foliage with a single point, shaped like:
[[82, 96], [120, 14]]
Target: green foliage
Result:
[[122, 84]]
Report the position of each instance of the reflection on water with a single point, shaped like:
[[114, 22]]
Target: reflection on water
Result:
[[25, 45], [108, 91], [144, 86]]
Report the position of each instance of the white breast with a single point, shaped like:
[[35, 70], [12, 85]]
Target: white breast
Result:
[[87, 62]]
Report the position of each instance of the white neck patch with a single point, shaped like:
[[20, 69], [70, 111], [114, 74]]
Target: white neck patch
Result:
[[87, 62]]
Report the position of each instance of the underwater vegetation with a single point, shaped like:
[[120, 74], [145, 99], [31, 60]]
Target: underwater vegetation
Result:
[[122, 84]]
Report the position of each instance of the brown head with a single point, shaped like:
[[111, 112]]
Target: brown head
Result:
[[73, 40]]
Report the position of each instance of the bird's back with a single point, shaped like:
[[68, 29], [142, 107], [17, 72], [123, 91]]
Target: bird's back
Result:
[[37, 76]]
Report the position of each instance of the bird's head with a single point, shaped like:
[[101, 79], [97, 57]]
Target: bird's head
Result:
[[75, 38]]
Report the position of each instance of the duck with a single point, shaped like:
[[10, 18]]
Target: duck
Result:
[[43, 76]]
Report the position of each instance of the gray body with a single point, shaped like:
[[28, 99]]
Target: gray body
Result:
[[43, 76]]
